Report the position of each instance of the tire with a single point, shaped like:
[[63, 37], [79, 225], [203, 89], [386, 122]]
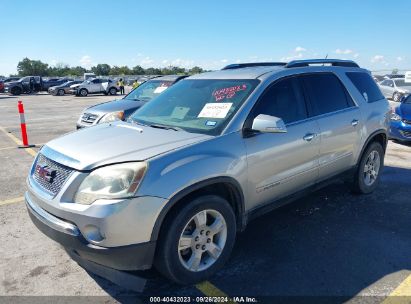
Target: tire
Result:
[[16, 91], [396, 97], [60, 92], [175, 263], [112, 91], [83, 92], [368, 173]]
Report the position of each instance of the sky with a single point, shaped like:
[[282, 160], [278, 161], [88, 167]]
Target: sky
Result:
[[209, 34]]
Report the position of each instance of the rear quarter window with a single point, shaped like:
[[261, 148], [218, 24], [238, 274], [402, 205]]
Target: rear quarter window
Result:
[[366, 86]]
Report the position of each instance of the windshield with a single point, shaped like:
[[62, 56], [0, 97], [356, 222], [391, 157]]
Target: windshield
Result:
[[198, 106], [148, 90], [402, 83]]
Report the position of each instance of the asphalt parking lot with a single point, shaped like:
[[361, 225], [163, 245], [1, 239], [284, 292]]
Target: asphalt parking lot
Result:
[[329, 244]]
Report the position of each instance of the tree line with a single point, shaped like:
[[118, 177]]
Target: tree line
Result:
[[28, 67]]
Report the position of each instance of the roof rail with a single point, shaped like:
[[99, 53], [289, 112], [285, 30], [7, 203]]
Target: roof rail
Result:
[[252, 64], [333, 62]]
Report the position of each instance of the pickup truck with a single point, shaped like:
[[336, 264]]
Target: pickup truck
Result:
[[23, 85]]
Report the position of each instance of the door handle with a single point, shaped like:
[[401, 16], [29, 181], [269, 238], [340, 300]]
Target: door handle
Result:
[[354, 122], [309, 136]]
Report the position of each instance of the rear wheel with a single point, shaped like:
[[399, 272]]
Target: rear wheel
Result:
[[83, 92], [368, 173], [113, 91], [60, 92], [198, 240], [396, 97]]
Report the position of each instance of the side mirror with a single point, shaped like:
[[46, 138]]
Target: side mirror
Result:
[[268, 124]]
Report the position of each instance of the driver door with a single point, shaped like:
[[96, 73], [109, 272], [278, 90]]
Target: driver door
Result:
[[280, 164], [95, 86]]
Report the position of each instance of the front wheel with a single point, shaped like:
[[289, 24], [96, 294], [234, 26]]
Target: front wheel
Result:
[[83, 92], [368, 173], [60, 92], [113, 91], [197, 241]]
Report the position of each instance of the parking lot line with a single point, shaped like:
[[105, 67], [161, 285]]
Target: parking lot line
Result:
[[12, 201], [401, 294], [18, 142], [210, 290]]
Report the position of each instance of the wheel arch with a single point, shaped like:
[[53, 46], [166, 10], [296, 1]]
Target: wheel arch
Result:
[[226, 187], [379, 136]]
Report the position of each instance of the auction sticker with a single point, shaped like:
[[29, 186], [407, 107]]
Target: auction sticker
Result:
[[215, 110]]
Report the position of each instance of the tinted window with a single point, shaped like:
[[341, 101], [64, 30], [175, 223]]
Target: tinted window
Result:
[[326, 93], [96, 81], [366, 85], [384, 83], [284, 100]]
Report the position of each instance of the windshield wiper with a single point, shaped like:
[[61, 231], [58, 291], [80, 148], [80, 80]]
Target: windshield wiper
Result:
[[159, 126]]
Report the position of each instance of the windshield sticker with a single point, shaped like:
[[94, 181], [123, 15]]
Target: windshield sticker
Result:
[[210, 123], [179, 112], [160, 89], [229, 92], [215, 110]]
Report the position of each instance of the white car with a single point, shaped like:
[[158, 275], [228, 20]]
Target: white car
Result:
[[95, 86]]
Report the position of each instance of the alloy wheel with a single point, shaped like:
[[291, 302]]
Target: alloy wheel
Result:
[[372, 168], [202, 240]]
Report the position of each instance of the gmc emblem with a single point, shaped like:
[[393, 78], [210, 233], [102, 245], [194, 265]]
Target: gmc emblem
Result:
[[46, 173]]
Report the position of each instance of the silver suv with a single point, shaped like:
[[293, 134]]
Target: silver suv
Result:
[[174, 185]]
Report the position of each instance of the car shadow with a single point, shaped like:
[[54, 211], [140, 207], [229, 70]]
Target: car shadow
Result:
[[329, 243]]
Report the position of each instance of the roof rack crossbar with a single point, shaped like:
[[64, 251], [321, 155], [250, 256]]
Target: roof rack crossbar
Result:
[[333, 62], [252, 64]]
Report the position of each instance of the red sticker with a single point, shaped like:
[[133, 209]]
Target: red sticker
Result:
[[229, 92]]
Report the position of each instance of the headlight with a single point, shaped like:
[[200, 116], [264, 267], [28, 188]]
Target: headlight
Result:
[[395, 117], [111, 182], [112, 117]]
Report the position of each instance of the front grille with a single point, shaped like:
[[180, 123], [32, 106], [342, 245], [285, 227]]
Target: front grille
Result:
[[408, 122], [406, 133], [88, 118], [60, 177]]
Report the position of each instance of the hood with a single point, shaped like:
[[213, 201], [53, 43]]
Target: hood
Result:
[[113, 143], [11, 83], [114, 105], [404, 110]]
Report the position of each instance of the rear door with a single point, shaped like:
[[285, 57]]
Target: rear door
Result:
[[282, 163], [339, 121]]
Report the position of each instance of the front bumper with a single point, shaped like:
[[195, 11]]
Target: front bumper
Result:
[[130, 257], [400, 131]]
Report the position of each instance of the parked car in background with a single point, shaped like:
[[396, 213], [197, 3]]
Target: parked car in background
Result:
[[9, 79], [173, 187], [51, 82], [64, 88], [95, 86], [23, 85], [378, 78], [395, 88], [392, 76], [123, 108], [400, 126]]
